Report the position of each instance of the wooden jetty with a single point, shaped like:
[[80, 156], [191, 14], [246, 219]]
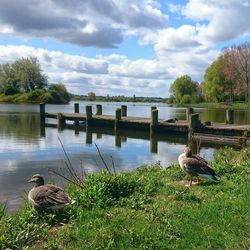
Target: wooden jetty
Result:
[[191, 127]]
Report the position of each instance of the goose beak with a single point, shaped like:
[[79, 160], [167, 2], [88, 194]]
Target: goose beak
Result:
[[30, 180]]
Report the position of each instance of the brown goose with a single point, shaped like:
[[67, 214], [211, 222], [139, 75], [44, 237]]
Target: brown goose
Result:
[[47, 196], [194, 165]]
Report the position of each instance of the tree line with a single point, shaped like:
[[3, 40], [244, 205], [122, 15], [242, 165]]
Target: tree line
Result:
[[227, 79], [23, 81]]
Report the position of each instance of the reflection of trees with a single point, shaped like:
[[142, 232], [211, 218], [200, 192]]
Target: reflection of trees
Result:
[[214, 115], [219, 115], [24, 125]]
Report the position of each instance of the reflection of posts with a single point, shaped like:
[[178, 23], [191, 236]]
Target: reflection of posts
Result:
[[118, 140], [98, 109], [229, 116], [42, 130], [124, 110], [99, 135], [60, 121], [77, 129], [88, 115], [189, 111], [118, 117], [88, 136], [153, 143]]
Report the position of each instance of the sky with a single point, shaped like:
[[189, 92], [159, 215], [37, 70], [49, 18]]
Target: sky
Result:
[[121, 47]]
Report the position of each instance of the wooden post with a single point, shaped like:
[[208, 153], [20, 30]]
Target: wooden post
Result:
[[76, 110], [124, 110], [189, 111], [60, 121], [88, 114], [42, 113], [153, 107], [230, 116], [42, 119], [118, 117], [194, 122], [98, 109], [154, 118], [76, 107]]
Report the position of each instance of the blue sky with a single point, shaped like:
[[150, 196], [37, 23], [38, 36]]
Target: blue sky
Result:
[[121, 47]]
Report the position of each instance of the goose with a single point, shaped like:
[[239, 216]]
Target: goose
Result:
[[172, 120], [47, 196], [195, 165]]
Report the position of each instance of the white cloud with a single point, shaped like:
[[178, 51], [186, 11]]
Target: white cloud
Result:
[[185, 49]]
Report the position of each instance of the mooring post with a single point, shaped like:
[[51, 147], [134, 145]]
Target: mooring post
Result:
[[76, 110], [76, 107], [118, 117], [60, 121], [98, 109], [42, 113], [153, 107], [88, 114], [124, 110], [230, 116], [154, 119], [189, 111], [194, 122]]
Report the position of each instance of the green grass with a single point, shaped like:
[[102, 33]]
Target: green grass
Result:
[[149, 208]]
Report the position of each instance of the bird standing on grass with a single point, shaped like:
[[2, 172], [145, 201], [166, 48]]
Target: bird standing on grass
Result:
[[47, 196], [194, 165]]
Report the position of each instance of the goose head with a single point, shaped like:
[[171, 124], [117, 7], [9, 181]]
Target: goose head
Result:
[[187, 151], [37, 179]]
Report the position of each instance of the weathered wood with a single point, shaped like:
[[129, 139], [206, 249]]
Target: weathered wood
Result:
[[194, 122], [154, 118], [118, 117], [230, 116], [189, 111], [60, 121], [42, 113], [153, 107], [88, 114], [98, 109], [124, 110], [76, 107]]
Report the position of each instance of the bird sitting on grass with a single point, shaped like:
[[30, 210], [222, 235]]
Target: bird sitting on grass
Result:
[[47, 196], [195, 165]]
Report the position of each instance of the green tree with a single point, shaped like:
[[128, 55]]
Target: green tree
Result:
[[184, 90], [215, 82], [29, 74], [59, 93], [8, 83], [24, 75], [92, 96]]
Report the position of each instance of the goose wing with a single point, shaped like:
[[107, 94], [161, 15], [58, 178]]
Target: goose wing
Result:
[[47, 196], [195, 166]]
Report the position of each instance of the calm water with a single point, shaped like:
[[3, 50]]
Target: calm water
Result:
[[24, 152]]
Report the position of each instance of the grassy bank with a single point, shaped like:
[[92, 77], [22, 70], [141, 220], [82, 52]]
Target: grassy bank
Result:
[[149, 208], [235, 105]]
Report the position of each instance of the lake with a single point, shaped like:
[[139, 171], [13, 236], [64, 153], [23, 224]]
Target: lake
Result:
[[24, 151]]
